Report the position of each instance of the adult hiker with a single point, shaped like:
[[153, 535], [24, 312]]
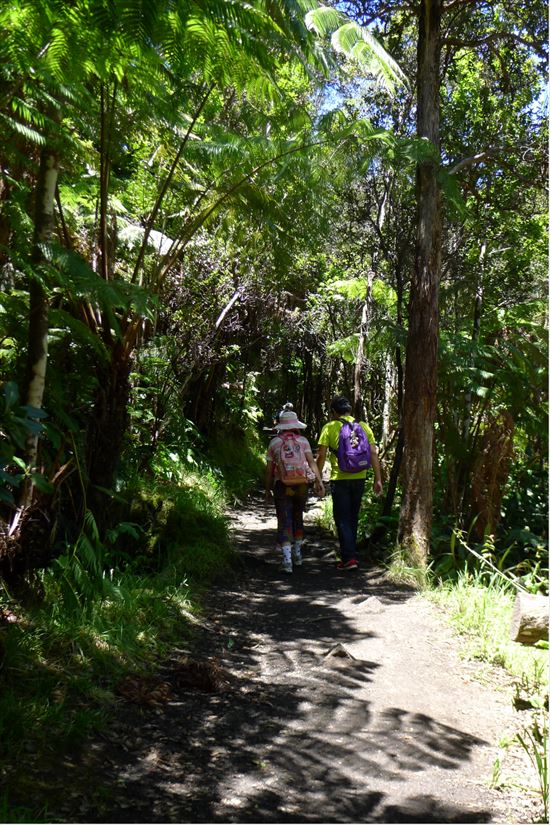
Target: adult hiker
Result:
[[352, 451], [290, 464]]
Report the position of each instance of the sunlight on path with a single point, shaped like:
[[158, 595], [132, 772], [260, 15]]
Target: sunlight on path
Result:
[[397, 730]]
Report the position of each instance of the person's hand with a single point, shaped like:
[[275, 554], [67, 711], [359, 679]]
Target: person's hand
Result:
[[268, 495], [319, 488], [378, 488]]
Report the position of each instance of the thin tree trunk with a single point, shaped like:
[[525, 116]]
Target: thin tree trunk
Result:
[[422, 341], [360, 360], [380, 530], [106, 431], [466, 464], [37, 350], [389, 390]]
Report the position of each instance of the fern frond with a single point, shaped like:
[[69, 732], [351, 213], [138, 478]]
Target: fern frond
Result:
[[357, 44], [65, 322], [324, 20], [21, 129]]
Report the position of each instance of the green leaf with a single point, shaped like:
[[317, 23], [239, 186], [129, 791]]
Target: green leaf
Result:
[[350, 288], [10, 392], [41, 483], [34, 412], [357, 44]]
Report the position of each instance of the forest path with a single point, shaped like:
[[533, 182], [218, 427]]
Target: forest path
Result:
[[399, 730]]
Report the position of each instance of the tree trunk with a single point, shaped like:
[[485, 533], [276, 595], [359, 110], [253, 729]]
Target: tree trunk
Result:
[[490, 473], [106, 431], [422, 341], [530, 619], [37, 349], [464, 471], [389, 394], [361, 361]]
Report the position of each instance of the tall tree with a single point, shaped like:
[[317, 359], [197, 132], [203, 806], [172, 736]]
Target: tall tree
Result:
[[422, 340]]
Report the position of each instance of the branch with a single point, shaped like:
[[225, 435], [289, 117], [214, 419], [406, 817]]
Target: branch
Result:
[[472, 161], [460, 3], [235, 297], [490, 564], [197, 223], [492, 38], [492, 151], [165, 185]]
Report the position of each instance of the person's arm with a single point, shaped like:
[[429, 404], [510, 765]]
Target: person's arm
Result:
[[319, 487], [375, 461], [269, 476], [321, 457]]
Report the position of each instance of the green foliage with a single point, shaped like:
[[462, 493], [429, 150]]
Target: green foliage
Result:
[[179, 525], [481, 609], [17, 813], [79, 575], [17, 423], [240, 458], [518, 565], [109, 609], [403, 568], [534, 742], [357, 44]]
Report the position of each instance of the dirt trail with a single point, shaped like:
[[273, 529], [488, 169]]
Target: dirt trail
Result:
[[397, 729]]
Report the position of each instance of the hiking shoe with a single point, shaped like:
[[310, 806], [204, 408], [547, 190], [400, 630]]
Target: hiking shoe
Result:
[[286, 566], [347, 565], [297, 556]]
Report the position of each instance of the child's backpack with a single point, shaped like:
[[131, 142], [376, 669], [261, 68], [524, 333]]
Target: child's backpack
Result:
[[292, 461], [353, 447]]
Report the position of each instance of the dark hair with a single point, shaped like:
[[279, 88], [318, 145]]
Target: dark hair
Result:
[[340, 404], [286, 407]]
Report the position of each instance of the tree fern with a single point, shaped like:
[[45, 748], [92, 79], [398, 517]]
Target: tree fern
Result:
[[357, 44]]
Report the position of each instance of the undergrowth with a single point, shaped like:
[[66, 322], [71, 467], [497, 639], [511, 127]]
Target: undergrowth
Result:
[[480, 607], [108, 608]]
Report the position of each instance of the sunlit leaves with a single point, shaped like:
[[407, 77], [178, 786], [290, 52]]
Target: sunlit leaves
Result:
[[349, 289], [357, 44], [345, 348]]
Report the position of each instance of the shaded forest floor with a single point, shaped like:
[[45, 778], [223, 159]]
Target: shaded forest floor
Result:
[[281, 726]]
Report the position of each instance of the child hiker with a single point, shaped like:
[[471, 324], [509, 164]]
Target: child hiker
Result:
[[289, 456]]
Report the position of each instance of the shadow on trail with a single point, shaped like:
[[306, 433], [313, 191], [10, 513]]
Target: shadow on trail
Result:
[[293, 738]]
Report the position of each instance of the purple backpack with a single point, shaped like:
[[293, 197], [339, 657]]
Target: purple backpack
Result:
[[353, 447]]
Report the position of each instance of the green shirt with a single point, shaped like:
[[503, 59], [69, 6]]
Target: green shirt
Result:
[[329, 438]]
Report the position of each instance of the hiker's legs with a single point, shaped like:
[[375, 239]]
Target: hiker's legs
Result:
[[284, 508], [356, 496], [299, 499], [285, 514], [346, 501]]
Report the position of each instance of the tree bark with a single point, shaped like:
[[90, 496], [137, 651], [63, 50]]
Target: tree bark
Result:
[[37, 348], [106, 431], [422, 341], [530, 619], [361, 361]]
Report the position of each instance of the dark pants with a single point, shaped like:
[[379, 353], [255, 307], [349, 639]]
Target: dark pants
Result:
[[346, 502], [290, 503]]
